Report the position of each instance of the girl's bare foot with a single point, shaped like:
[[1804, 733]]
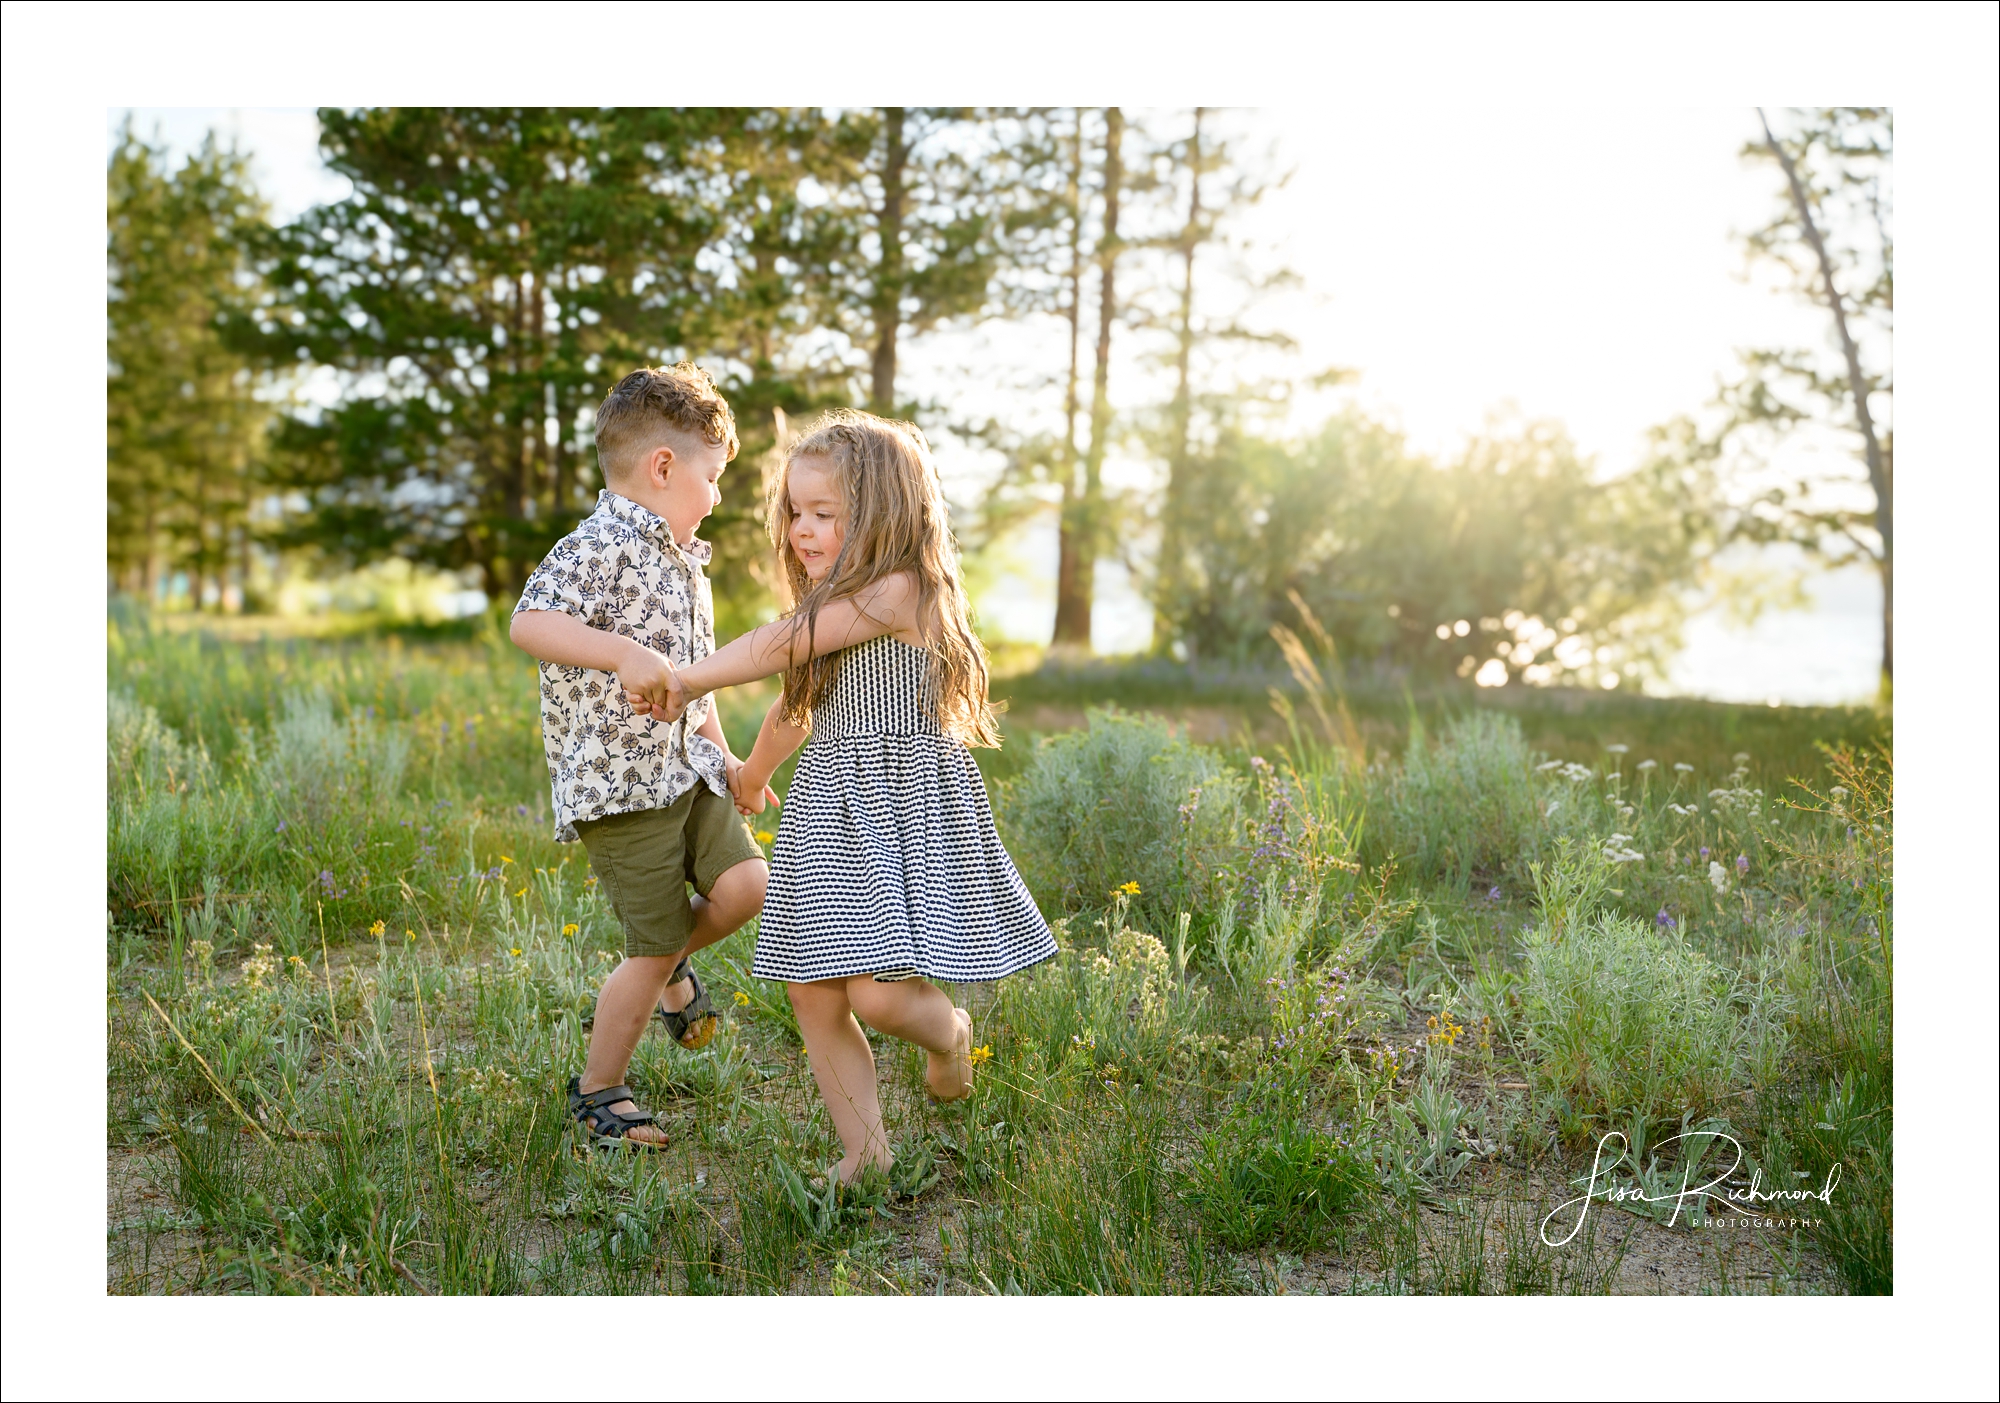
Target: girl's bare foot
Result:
[[846, 1169], [950, 1073]]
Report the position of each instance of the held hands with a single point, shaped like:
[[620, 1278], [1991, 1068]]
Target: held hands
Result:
[[649, 681], [655, 692], [752, 795]]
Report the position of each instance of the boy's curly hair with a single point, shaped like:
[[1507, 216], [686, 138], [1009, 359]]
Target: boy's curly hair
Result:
[[657, 400]]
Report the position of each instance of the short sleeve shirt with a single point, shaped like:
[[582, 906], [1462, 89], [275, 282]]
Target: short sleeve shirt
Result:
[[622, 571]]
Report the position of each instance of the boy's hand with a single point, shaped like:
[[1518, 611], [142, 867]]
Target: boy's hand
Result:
[[649, 677]]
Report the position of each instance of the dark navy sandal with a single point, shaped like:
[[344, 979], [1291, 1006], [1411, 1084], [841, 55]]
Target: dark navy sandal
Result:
[[693, 1026], [592, 1111]]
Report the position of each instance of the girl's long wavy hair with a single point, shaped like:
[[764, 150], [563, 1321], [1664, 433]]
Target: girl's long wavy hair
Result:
[[896, 520]]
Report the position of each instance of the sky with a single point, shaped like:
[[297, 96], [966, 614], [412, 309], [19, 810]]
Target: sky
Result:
[[1559, 263]]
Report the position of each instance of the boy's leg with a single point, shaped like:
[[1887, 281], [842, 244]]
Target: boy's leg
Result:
[[624, 1005], [735, 896], [844, 1066], [917, 1011]]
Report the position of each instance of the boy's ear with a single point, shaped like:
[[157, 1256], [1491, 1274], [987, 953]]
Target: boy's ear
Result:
[[660, 465]]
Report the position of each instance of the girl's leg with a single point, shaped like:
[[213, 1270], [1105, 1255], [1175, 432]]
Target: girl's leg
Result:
[[917, 1011], [844, 1066]]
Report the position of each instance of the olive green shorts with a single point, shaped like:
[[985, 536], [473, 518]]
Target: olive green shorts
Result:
[[645, 861]]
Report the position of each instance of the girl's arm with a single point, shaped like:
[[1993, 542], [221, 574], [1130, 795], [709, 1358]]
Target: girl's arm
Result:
[[776, 739], [888, 606]]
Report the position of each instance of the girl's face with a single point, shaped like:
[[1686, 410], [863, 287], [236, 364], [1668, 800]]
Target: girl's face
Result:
[[818, 526]]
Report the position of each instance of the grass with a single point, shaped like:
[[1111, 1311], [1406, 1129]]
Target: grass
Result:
[[1360, 1028]]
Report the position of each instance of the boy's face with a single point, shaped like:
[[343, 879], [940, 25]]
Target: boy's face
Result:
[[818, 526], [679, 483]]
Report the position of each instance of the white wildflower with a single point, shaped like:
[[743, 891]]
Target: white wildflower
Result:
[[1649, 764], [1618, 749], [1682, 767], [1718, 877]]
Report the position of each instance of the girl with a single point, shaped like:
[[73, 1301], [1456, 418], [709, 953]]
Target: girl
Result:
[[887, 872]]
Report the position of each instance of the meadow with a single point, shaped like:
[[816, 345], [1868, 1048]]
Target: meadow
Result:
[[1355, 987]]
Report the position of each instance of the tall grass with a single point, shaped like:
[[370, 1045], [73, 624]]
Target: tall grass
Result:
[[349, 969]]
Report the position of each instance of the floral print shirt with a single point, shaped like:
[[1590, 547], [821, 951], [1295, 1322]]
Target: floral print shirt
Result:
[[622, 571]]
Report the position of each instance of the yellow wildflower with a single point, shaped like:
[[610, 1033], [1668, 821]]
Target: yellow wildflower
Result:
[[410, 933], [515, 951], [981, 1054], [377, 928], [742, 999], [1129, 889], [506, 859], [522, 892], [571, 928], [765, 835]]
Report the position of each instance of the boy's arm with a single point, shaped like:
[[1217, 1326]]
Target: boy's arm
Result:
[[776, 739], [567, 641]]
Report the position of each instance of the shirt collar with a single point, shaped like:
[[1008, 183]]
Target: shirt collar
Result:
[[648, 522]]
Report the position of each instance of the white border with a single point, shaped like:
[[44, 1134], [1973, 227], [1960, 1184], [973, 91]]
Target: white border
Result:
[[65, 65]]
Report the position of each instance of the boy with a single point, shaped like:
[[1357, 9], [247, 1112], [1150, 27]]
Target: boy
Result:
[[615, 605]]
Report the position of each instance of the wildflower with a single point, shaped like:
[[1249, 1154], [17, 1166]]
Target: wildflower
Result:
[[981, 1054], [571, 928], [281, 825], [1493, 893], [765, 835], [1128, 889], [1664, 920], [377, 929], [1718, 876], [742, 999], [1548, 765], [258, 967], [1839, 793], [1704, 853], [1649, 764], [1617, 749], [1742, 863], [522, 892], [506, 859], [1683, 768], [1741, 757], [409, 934], [515, 951]]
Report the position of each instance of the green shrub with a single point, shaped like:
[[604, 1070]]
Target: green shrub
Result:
[[1465, 804], [1291, 1188], [1625, 1019], [1124, 800]]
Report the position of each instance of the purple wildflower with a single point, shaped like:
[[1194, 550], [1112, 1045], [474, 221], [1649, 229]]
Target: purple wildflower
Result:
[[1742, 863]]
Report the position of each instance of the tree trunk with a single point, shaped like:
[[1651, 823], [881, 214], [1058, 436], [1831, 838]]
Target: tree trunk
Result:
[[889, 271], [1073, 622], [1069, 529], [1166, 593], [524, 460], [1857, 386]]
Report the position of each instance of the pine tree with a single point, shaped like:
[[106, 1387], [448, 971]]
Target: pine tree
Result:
[[184, 425], [1082, 522]]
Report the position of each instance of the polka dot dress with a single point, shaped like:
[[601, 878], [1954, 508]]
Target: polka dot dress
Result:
[[886, 861]]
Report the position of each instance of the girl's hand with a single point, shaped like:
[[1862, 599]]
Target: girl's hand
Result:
[[752, 796]]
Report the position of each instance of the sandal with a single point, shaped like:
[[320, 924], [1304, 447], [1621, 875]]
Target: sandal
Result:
[[693, 1026], [592, 1110]]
